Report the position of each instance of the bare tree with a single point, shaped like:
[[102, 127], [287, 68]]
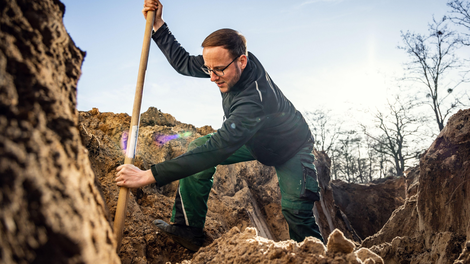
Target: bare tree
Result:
[[334, 169], [397, 130], [352, 159], [374, 160], [325, 129], [433, 58], [347, 149], [343, 147], [382, 161], [459, 15]]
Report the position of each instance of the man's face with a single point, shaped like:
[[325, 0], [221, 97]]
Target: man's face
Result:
[[218, 58]]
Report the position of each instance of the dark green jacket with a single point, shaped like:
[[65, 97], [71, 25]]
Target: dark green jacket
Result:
[[257, 115]]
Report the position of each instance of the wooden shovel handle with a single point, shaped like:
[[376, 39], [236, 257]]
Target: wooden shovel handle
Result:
[[133, 131]]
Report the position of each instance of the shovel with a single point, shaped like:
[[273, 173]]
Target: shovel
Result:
[[133, 130]]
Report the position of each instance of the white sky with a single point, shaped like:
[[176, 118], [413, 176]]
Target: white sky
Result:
[[335, 54]]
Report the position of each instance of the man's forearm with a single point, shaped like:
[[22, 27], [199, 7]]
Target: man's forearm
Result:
[[176, 55], [158, 24]]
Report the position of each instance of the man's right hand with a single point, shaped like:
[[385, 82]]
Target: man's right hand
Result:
[[150, 5], [130, 176]]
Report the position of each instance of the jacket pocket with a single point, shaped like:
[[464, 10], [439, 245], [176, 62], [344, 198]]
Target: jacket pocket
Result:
[[310, 190]]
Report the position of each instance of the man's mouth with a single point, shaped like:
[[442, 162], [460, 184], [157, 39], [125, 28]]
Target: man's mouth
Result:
[[220, 84]]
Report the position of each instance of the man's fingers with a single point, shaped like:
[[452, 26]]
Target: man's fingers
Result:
[[151, 4], [145, 10], [118, 177], [124, 166], [120, 181], [119, 171], [148, 7]]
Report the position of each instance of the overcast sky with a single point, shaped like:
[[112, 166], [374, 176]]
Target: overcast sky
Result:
[[333, 54]]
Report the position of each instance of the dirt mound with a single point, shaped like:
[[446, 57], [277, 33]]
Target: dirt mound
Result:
[[248, 247], [244, 194], [50, 209], [432, 226]]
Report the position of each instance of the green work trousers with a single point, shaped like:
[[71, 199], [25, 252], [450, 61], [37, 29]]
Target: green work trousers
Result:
[[297, 181]]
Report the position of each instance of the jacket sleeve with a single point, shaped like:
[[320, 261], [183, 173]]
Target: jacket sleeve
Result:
[[243, 123], [176, 55]]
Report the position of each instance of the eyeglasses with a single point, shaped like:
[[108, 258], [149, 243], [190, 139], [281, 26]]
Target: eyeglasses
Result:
[[217, 72]]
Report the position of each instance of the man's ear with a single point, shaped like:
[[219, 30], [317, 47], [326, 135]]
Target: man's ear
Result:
[[243, 61]]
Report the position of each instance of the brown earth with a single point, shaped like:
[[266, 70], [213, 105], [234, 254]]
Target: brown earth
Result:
[[50, 209], [369, 206], [249, 247], [432, 226], [244, 194], [58, 198]]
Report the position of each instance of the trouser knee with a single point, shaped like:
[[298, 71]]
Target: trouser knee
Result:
[[198, 142], [301, 224]]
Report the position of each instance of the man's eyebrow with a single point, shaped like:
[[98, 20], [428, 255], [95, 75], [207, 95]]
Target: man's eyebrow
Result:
[[215, 68]]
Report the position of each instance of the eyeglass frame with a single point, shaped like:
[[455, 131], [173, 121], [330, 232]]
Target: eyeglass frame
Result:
[[208, 71]]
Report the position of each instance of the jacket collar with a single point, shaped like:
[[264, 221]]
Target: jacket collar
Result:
[[248, 75]]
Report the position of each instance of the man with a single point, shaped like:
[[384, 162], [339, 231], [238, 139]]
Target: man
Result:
[[260, 124]]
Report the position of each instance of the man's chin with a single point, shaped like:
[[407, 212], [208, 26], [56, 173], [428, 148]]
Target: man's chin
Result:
[[224, 89]]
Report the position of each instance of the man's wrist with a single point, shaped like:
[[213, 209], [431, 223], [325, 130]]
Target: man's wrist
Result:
[[154, 173], [149, 177], [158, 24]]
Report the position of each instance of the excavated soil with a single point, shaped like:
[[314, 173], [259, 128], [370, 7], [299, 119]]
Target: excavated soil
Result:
[[432, 226], [58, 198], [364, 203], [50, 209], [244, 194]]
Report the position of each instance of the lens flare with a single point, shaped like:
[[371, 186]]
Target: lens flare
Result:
[[124, 137], [161, 139]]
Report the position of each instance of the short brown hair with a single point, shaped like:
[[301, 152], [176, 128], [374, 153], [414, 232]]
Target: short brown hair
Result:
[[229, 39]]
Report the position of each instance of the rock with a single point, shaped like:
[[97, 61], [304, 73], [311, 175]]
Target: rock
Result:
[[51, 211]]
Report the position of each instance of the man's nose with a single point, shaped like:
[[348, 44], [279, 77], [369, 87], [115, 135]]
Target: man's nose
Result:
[[214, 77]]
